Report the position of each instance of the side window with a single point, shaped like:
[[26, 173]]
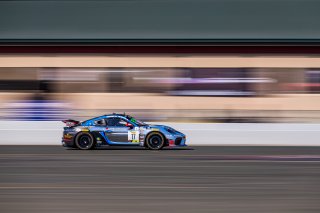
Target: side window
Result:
[[122, 122], [110, 121], [116, 122], [100, 122]]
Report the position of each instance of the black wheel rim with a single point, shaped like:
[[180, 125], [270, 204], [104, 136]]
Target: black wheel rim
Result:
[[155, 141], [85, 141]]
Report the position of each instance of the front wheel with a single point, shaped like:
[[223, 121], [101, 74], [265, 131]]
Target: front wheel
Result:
[[84, 141], [155, 141]]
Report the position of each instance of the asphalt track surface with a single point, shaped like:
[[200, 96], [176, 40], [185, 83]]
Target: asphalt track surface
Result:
[[197, 179]]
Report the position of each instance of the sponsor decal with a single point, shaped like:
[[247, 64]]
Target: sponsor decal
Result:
[[85, 130], [133, 136], [154, 129]]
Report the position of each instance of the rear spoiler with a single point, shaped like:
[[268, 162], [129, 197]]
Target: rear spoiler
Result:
[[70, 122]]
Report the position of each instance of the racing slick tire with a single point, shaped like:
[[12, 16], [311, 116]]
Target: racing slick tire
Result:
[[84, 141], [155, 141]]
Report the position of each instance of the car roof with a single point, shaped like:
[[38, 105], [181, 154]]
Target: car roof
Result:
[[106, 115]]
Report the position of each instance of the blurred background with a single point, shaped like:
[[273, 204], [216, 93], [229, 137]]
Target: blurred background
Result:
[[181, 60], [204, 94]]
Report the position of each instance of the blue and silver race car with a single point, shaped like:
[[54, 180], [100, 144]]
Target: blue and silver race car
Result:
[[119, 129]]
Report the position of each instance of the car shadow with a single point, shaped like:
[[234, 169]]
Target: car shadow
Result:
[[136, 148]]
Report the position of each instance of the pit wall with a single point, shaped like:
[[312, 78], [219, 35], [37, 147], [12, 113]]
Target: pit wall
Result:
[[244, 134]]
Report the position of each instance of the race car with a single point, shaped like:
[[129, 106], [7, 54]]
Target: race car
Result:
[[119, 129]]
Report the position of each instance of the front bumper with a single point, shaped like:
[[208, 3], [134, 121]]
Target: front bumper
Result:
[[178, 140]]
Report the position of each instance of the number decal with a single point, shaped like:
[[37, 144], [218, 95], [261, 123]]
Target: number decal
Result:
[[133, 136]]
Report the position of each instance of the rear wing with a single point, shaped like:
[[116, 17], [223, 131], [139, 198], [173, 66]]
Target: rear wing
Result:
[[70, 122]]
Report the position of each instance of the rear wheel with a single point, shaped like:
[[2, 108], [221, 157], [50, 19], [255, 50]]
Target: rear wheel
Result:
[[155, 141], [84, 141]]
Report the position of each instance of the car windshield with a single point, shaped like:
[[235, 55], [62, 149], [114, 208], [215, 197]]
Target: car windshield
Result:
[[135, 121]]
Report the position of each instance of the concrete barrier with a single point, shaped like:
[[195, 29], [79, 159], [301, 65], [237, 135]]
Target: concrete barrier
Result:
[[50, 133]]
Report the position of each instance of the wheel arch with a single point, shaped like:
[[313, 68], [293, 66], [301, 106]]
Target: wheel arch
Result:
[[158, 132]]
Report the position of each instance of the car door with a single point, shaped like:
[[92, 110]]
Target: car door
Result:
[[117, 130]]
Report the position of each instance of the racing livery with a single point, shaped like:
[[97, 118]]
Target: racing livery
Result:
[[119, 129]]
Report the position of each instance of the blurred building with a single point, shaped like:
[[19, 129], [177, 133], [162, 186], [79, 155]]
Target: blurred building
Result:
[[186, 65]]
